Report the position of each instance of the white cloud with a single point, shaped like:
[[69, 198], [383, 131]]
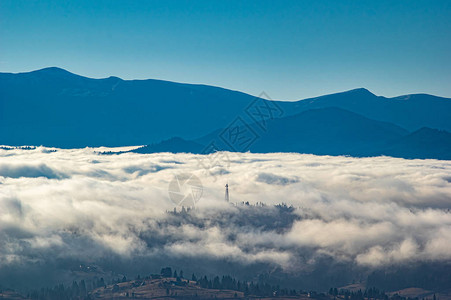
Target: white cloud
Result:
[[368, 211]]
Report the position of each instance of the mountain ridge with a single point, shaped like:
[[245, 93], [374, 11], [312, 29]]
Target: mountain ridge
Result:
[[360, 90], [54, 107], [314, 131]]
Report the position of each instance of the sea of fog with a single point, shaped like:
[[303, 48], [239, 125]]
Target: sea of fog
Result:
[[69, 213]]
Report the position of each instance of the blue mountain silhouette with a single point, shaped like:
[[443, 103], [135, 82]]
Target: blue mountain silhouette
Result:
[[423, 143], [332, 131], [54, 107]]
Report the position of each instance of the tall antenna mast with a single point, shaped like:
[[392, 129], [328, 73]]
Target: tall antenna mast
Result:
[[227, 192]]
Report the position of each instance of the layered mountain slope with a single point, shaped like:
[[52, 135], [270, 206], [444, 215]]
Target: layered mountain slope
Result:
[[331, 131], [423, 143], [411, 112], [54, 107], [327, 131]]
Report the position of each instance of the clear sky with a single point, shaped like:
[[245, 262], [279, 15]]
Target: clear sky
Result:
[[290, 49]]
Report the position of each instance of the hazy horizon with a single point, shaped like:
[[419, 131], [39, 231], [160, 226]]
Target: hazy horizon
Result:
[[226, 88]]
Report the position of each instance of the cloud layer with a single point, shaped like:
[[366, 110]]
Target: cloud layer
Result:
[[83, 206]]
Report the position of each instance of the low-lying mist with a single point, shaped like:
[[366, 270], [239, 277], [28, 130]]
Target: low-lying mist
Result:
[[305, 220]]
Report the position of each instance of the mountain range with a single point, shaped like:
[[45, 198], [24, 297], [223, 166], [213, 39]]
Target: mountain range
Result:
[[54, 107]]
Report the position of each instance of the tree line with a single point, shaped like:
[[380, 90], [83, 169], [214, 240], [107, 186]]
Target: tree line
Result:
[[79, 290]]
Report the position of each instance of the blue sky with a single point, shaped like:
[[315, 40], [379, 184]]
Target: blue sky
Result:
[[290, 49]]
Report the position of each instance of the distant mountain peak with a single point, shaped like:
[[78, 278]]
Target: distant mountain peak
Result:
[[54, 71], [360, 92], [114, 78]]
